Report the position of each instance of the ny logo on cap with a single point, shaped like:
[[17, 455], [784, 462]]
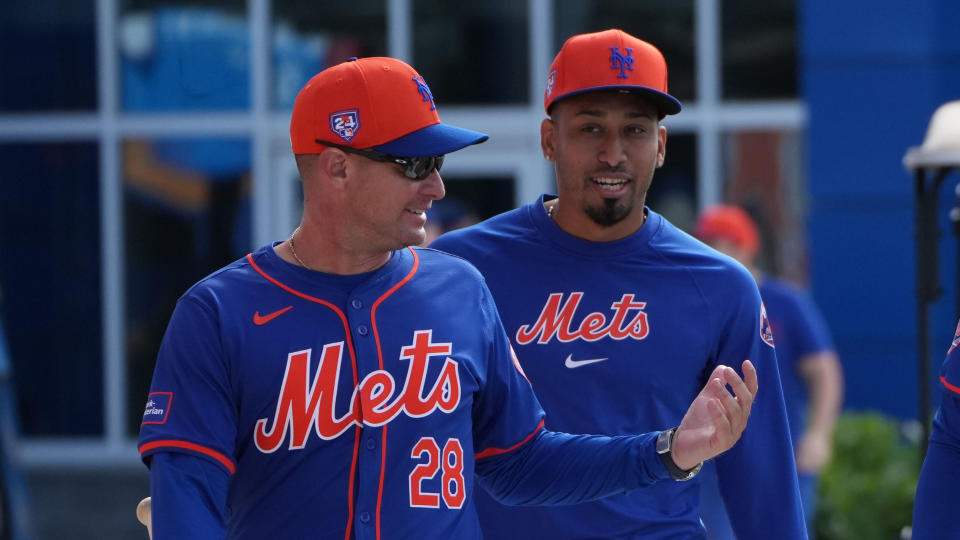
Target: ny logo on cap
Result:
[[345, 124], [621, 62], [424, 91]]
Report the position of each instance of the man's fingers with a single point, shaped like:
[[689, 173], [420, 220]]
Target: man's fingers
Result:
[[733, 407], [750, 375]]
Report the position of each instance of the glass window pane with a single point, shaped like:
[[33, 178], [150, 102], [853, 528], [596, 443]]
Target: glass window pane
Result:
[[759, 49], [49, 56], [469, 200], [764, 173], [186, 214], [673, 193], [667, 24], [177, 57], [473, 52], [311, 36], [50, 296]]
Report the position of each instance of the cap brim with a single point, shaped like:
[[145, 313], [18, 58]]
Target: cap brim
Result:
[[434, 140], [666, 104]]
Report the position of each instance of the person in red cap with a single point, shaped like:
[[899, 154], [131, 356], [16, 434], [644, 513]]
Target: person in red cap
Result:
[[810, 371], [618, 316], [342, 384]]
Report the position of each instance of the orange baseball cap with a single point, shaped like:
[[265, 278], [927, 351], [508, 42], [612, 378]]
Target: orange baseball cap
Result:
[[379, 103], [730, 223], [609, 60]]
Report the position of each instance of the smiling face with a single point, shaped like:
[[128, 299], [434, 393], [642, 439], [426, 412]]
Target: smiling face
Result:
[[606, 146], [387, 210]]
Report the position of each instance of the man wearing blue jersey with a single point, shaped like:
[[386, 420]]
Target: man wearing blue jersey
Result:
[[810, 371], [618, 316], [341, 385], [935, 506]]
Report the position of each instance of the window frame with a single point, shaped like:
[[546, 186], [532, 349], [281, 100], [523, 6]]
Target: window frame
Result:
[[514, 149]]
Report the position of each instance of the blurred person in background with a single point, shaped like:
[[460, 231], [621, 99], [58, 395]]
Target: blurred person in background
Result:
[[448, 214], [810, 370]]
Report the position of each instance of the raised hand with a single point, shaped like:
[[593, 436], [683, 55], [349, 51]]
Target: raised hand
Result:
[[716, 418]]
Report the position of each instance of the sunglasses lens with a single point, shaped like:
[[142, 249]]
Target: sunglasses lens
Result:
[[420, 168]]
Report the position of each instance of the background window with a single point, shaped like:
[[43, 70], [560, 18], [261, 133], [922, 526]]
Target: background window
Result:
[[49, 56], [667, 24], [181, 57], [50, 295], [469, 200], [763, 173], [472, 52], [186, 214], [673, 193], [759, 47], [308, 37]]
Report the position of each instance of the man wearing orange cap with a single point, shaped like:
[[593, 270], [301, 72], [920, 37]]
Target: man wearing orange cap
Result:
[[617, 315], [340, 384], [810, 371]]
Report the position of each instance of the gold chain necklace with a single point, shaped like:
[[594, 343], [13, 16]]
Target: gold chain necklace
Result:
[[295, 256]]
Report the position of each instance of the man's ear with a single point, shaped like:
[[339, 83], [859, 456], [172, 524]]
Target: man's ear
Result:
[[661, 145], [333, 164], [548, 139]]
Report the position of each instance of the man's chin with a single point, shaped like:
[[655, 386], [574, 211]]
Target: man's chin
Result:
[[610, 213]]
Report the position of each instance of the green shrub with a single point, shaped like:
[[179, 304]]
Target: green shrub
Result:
[[866, 491]]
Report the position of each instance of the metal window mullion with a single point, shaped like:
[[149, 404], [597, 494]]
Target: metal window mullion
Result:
[[399, 30], [112, 278], [708, 65], [537, 177], [259, 12]]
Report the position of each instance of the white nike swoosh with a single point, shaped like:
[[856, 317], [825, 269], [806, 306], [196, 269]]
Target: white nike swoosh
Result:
[[571, 363]]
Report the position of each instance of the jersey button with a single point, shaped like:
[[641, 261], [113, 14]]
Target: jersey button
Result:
[[371, 443], [362, 330], [364, 516], [356, 303]]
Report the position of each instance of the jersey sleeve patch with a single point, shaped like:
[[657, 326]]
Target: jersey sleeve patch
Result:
[[766, 331], [956, 339], [158, 408]]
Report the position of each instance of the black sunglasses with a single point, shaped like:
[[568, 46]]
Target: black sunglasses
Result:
[[414, 168]]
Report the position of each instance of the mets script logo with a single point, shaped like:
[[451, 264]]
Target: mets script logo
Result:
[[551, 80], [628, 320], [307, 405], [766, 332], [424, 91], [345, 124], [621, 62]]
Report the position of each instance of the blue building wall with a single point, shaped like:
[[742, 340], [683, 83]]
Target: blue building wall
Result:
[[872, 74]]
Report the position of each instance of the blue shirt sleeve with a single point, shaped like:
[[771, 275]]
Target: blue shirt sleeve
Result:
[[190, 408], [506, 412], [758, 477], [558, 468], [935, 507], [188, 496], [810, 328]]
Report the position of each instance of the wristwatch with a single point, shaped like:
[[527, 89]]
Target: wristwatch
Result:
[[665, 451]]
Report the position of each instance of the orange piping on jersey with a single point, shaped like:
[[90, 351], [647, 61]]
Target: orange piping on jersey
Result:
[[949, 386], [353, 359], [224, 460], [376, 339], [495, 451]]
